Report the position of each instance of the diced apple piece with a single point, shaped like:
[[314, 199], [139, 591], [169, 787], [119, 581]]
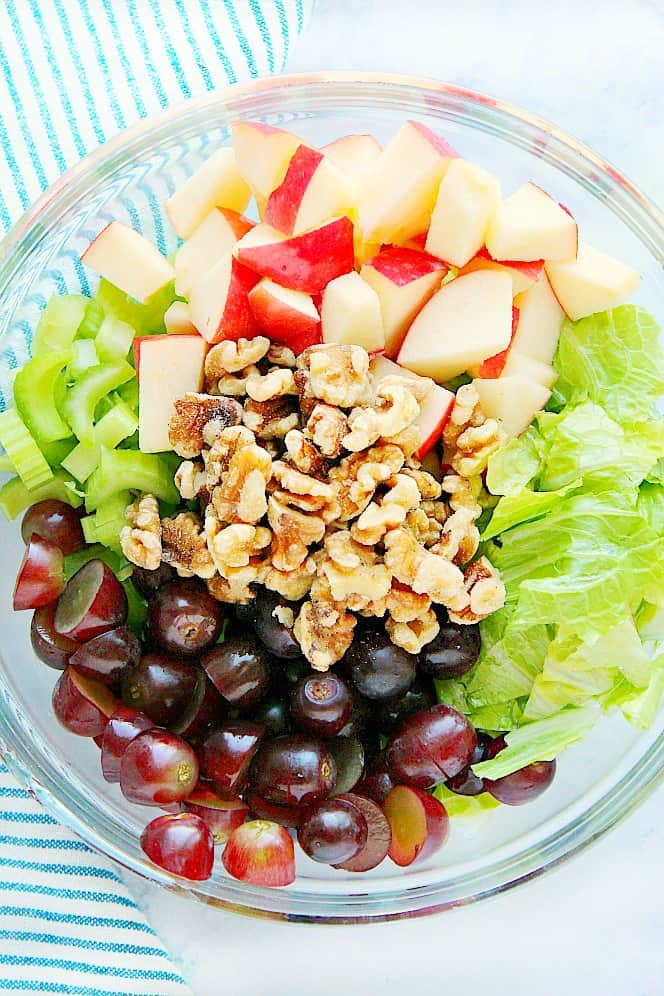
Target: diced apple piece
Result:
[[305, 262], [262, 154], [286, 316], [350, 314], [404, 280], [494, 365], [219, 301], [518, 365], [128, 260], [168, 367], [467, 198], [513, 400], [213, 238], [540, 321], [591, 282], [312, 191], [405, 180], [354, 155], [530, 225], [417, 241], [467, 320], [364, 251], [523, 275], [177, 320], [435, 407], [217, 183]]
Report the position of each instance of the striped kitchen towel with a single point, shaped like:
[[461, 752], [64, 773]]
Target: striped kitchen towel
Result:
[[72, 74]]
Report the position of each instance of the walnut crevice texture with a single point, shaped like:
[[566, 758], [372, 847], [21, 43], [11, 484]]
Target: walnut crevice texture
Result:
[[306, 483]]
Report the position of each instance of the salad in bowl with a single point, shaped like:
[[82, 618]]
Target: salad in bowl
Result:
[[346, 518]]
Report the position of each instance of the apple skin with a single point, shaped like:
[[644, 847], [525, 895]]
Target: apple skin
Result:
[[435, 411], [219, 302], [402, 266], [284, 202], [524, 274], [423, 817], [285, 318], [494, 365], [213, 238], [304, 262]]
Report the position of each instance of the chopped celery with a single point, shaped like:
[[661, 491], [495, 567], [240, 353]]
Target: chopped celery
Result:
[[85, 395], [58, 451], [59, 322], [114, 339], [130, 470], [82, 460], [6, 463], [85, 356], [27, 458], [116, 425], [92, 319], [34, 394], [15, 497], [89, 528], [137, 607], [110, 519], [148, 317], [129, 394], [120, 567]]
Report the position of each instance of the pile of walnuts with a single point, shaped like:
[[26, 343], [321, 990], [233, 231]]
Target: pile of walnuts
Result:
[[305, 476]]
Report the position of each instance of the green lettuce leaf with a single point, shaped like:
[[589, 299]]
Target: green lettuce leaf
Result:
[[524, 505], [507, 669], [642, 709], [516, 464], [465, 805]]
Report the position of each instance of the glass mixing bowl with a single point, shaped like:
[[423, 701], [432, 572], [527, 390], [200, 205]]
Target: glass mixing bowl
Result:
[[599, 781]]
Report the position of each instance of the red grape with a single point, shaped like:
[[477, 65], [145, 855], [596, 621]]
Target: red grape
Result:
[[93, 601], [273, 715], [524, 785], [161, 686], [377, 667], [418, 823], [391, 713], [41, 576], [184, 618], [182, 844], [378, 780], [275, 635], [81, 704], [292, 770], [220, 815], [204, 710], [226, 754], [261, 853], [106, 657], [431, 746], [348, 754], [452, 652], [123, 727], [285, 816], [148, 582], [50, 647], [332, 831], [158, 768], [378, 835], [321, 704], [240, 670], [55, 521]]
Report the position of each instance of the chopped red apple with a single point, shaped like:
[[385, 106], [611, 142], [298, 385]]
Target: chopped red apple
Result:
[[167, 366], [591, 282], [262, 154], [513, 400], [417, 241], [213, 238], [405, 180], [419, 824], [128, 260], [435, 407], [286, 316], [523, 275], [466, 321], [530, 225], [354, 155], [304, 262], [404, 280], [217, 183], [219, 301], [261, 853], [312, 191], [350, 314], [177, 319], [519, 365], [540, 321], [467, 199], [494, 365]]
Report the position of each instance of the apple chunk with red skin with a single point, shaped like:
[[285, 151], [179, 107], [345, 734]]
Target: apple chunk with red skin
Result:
[[305, 262], [398, 202], [404, 280], [494, 365], [435, 407], [467, 198], [213, 238], [419, 824], [262, 154], [466, 321], [217, 183], [167, 367], [592, 282], [519, 365], [219, 301], [354, 155], [126, 259], [523, 275], [286, 316], [312, 191], [530, 225], [540, 322], [350, 313]]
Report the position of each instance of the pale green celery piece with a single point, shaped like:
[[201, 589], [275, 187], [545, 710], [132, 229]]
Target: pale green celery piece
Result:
[[144, 318], [129, 394], [85, 395], [59, 322], [15, 497], [58, 451], [89, 529], [542, 740], [82, 460], [92, 319], [130, 470], [465, 805], [114, 339], [34, 394], [110, 519], [6, 465], [30, 463], [84, 357], [117, 424]]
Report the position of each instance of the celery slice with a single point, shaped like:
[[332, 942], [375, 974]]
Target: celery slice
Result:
[[89, 528], [114, 339], [120, 567], [34, 393], [27, 458], [110, 519], [59, 322], [144, 318], [92, 319], [82, 460], [15, 497], [58, 451], [6, 464], [129, 394], [85, 395], [85, 356], [130, 470], [116, 425]]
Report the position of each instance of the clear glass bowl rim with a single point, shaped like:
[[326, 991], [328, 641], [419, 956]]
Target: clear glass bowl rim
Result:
[[639, 213]]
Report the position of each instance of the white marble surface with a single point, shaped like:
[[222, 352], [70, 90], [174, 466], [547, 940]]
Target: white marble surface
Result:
[[595, 925]]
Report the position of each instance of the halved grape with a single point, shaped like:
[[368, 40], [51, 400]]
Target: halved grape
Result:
[[55, 521], [106, 657], [93, 602]]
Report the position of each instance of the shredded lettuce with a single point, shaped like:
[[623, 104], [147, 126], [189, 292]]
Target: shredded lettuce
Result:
[[464, 805]]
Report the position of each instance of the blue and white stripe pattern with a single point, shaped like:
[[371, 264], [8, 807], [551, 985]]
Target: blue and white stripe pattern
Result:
[[72, 74]]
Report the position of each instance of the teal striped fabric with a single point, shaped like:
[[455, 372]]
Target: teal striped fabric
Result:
[[72, 74]]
